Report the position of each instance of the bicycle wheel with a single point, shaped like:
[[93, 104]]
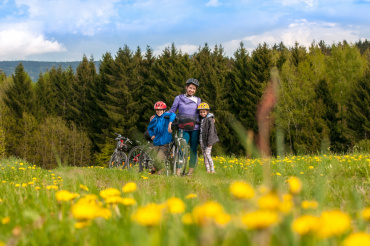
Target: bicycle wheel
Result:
[[122, 160], [182, 157], [134, 157], [169, 161], [117, 159], [145, 162]]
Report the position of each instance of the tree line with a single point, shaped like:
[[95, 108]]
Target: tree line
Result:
[[69, 117]]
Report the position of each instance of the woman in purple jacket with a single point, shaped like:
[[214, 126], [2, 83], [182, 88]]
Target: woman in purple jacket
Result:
[[187, 104]]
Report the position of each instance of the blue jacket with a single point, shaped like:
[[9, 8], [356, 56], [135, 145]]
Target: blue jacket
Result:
[[158, 127]]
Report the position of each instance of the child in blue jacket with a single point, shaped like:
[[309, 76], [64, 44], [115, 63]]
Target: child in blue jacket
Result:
[[160, 132]]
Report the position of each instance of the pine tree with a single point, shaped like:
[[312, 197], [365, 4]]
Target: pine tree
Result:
[[358, 114]]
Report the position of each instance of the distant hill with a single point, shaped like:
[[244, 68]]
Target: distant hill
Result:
[[33, 68]]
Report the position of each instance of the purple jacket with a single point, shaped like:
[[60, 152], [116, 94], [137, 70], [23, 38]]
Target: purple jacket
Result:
[[186, 106]]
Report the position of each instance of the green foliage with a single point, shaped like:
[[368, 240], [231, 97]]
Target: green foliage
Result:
[[321, 104]]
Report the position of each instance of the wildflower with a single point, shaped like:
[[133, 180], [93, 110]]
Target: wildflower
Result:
[[278, 174], [82, 224], [191, 195], [310, 167], [5, 220], [260, 219], [222, 219], [269, 201], [241, 190], [333, 223], [175, 205], [187, 219], [24, 185], [17, 185], [305, 224], [127, 201], [84, 187], [287, 204], [358, 238], [37, 187], [86, 209], [65, 196], [206, 212], [52, 187], [263, 189], [295, 185], [144, 177], [366, 213], [149, 215], [129, 187], [309, 204], [109, 192], [1, 200]]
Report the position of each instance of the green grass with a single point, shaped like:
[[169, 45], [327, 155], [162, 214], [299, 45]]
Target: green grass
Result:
[[36, 218]]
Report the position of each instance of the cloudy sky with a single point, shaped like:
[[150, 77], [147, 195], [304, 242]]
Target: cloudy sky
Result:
[[64, 30]]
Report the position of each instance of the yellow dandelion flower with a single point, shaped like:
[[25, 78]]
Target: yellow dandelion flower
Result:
[[144, 177], [356, 239], [366, 213], [86, 209], [263, 189], [17, 185], [5, 220], [109, 192], [295, 185], [222, 219], [260, 219], [301, 172], [309, 204], [65, 196], [305, 224], [37, 187], [310, 167], [82, 224], [149, 215], [287, 204], [1, 200], [84, 187], [175, 205], [187, 219], [270, 201], [278, 174], [333, 223], [206, 212], [129, 187], [24, 185], [191, 195], [128, 201], [241, 190]]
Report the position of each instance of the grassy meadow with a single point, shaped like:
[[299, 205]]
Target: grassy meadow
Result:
[[296, 200]]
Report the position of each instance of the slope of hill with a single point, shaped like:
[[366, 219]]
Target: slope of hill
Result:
[[33, 68]]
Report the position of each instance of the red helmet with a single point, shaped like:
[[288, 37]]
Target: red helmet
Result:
[[160, 105]]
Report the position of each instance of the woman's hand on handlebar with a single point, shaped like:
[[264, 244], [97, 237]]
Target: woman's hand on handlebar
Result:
[[153, 137], [169, 127]]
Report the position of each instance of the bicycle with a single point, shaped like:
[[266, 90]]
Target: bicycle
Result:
[[139, 157], [119, 158], [180, 149]]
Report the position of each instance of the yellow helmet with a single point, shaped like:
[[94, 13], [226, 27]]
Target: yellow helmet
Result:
[[203, 106]]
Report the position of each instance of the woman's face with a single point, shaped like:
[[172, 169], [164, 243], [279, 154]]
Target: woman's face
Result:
[[191, 89]]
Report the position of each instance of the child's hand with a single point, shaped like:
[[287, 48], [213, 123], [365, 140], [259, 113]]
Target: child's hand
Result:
[[152, 117], [153, 137], [169, 127]]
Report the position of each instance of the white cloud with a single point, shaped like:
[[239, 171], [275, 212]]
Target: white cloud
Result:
[[76, 16], [213, 3], [185, 48], [300, 31], [309, 3], [17, 42]]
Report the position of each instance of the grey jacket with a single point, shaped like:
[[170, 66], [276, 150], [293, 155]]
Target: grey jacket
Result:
[[208, 131]]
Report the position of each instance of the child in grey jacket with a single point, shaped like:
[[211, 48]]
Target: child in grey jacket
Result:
[[207, 136]]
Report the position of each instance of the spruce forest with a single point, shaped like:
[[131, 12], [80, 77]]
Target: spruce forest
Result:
[[70, 117]]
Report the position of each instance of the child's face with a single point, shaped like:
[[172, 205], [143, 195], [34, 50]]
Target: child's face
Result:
[[159, 112], [203, 113]]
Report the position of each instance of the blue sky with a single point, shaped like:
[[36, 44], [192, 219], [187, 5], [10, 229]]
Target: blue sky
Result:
[[65, 30]]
